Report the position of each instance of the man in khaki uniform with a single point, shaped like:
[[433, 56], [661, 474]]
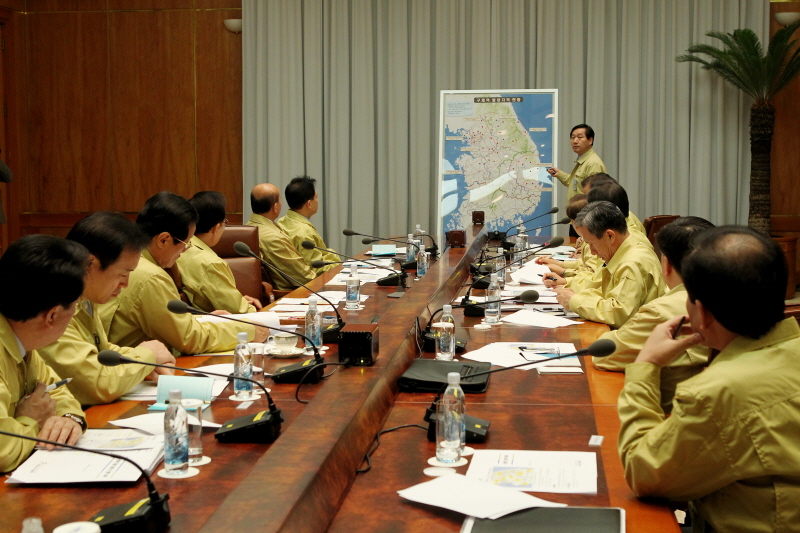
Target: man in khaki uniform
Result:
[[303, 201], [730, 445], [42, 278], [207, 279], [630, 278], [276, 247], [140, 312], [588, 162], [675, 242], [115, 247]]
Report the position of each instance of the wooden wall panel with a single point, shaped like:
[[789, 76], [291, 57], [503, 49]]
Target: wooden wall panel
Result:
[[16, 5], [219, 106], [220, 4], [33, 6], [149, 4], [785, 159], [152, 105], [68, 111]]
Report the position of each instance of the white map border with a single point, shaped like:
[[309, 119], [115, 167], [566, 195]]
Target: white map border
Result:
[[440, 153]]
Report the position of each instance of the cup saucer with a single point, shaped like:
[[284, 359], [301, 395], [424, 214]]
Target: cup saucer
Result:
[[277, 354]]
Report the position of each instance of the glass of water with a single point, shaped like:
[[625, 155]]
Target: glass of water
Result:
[[194, 408]]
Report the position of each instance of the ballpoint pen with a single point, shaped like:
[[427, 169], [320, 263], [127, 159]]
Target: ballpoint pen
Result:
[[57, 384]]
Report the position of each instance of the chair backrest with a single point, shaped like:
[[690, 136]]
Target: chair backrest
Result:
[[246, 270], [652, 225]]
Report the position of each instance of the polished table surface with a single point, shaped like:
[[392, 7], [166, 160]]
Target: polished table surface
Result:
[[306, 480]]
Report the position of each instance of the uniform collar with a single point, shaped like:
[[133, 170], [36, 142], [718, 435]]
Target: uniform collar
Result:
[[197, 241], [15, 347], [259, 219], [626, 246], [583, 157], [294, 215], [783, 331]]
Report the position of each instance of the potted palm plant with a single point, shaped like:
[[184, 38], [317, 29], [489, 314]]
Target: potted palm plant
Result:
[[743, 63]]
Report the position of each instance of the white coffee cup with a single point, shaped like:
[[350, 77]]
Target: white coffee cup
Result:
[[284, 342]]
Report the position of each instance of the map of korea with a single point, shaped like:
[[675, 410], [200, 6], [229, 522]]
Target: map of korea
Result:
[[500, 165]]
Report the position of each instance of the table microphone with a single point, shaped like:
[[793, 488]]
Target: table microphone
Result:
[[329, 334], [288, 374], [262, 427], [397, 278], [565, 220], [482, 282], [476, 428], [429, 338], [148, 515]]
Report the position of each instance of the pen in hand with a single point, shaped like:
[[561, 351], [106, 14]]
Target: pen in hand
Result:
[[57, 384], [678, 328]]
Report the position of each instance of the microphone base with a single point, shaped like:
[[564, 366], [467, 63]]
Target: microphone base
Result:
[[392, 280], [473, 310], [497, 235], [477, 429], [135, 517], [429, 343], [331, 334], [294, 373], [260, 428], [408, 265], [481, 282], [483, 267]]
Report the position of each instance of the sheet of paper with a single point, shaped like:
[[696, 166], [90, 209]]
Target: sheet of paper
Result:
[[508, 354], [113, 440], [475, 498], [536, 471], [540, 320], [153, 423], [265, 318], [143, 392], [72, 466], [221, 368], [398, 251], [559, 370]]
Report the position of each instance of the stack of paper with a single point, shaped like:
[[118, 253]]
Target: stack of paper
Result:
[[538, 319], [508, 354], [153, 423], [72, 466], [472, 497], [365, 276]]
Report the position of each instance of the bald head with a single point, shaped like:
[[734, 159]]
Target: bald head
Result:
[[265, 200]]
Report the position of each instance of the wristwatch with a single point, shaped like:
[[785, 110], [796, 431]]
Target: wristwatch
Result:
[[78, 419]]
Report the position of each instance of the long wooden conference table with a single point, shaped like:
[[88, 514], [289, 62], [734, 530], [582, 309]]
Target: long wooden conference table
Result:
[[306, 480]]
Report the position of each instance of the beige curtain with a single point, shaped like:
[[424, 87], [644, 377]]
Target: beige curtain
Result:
[[347, 91]]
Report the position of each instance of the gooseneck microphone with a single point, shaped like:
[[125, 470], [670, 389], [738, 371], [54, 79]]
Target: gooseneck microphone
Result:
[[287, 374], [397, 278], [329, 334], [404, 265], [482, 282], [565, 220], [149, 515], [429, 338]]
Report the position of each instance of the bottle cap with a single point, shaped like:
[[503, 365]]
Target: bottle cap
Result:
[[418, 226], [175, 395], [354, 269], [500, 250], [447, 309], [493, 277], [242, 337], [410, 235], [312, 302], [453, 378]]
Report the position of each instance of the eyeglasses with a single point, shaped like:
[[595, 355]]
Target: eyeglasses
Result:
[[186, 245], [225, 222]]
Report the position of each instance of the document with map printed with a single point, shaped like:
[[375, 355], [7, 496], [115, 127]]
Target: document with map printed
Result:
[[536, 471]]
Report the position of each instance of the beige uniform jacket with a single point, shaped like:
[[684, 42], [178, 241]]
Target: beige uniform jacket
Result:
[[140, 313], [18, 377], [630, 339], [208, 281], [630, 279], [277, 249], [587, 164], [74, 356], [731, 443], [588, 276], [300, 229]]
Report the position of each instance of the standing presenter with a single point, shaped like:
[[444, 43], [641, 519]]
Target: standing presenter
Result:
[[582, 140]]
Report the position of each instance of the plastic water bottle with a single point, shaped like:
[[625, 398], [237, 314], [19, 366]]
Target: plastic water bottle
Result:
[[422, 263], [500, 267], [418, 237], [313, 325], [176, 435], [457, 405], [522, 241], [445, 330], [353, 289], [242, 367], [492, 312], [411, 250]]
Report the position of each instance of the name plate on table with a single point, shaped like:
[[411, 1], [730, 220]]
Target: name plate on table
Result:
[[384, 250]]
